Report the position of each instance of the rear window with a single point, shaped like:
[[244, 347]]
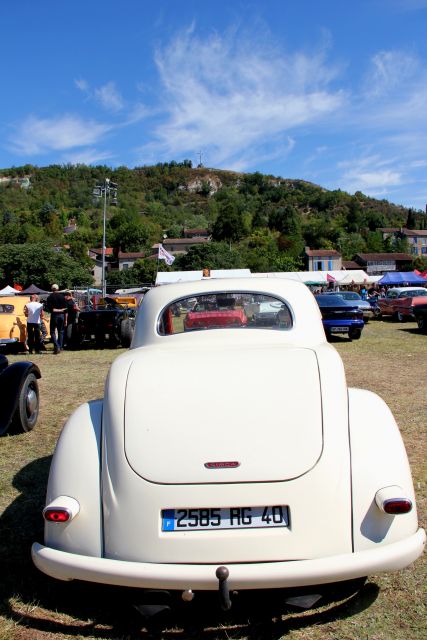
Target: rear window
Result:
[[231, 310], [6, 308]]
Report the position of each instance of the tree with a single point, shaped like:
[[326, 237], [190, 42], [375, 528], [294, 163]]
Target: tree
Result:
[[285, 219], [229, 225], [420, 263], [212, 255], [41, 265], [411, 220], [351, 244]]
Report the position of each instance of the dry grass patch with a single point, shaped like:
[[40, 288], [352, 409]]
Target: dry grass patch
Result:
[[390, 360]]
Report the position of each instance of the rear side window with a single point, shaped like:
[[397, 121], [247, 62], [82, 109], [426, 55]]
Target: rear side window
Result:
[[7, 308], [220, 310]]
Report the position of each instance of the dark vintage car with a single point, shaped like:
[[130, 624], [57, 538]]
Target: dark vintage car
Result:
[[340, 316], [19, 393], [110, 324], [356, 299], [420, 313]]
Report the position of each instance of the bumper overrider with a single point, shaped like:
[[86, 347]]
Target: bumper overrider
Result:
[[263, 575]]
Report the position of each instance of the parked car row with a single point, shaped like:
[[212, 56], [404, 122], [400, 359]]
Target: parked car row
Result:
[[110, 322], [400, 303]]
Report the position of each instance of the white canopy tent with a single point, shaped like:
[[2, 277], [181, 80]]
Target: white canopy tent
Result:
[[341, 277], [8, 291], [170, 277]]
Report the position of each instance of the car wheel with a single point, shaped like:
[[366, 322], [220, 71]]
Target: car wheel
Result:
[[27, 412], [126, 333], [422, 324], [377, 312], [355, 334], [401, 317]]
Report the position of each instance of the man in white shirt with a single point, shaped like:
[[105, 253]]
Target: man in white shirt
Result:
[[34, 313]]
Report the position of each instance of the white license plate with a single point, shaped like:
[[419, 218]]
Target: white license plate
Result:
[[225, 518], [339, 329]]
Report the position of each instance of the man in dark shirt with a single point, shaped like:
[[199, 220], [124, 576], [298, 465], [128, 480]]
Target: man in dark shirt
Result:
[[57, 306], [71, 320]]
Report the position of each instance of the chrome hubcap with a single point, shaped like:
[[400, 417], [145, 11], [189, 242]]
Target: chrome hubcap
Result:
[[32, 403]]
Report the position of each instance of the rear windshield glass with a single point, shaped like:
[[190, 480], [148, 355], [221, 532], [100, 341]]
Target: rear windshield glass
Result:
[[6, 308], [231, 310]]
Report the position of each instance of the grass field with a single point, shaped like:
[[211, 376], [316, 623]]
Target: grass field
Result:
[[390, 359]]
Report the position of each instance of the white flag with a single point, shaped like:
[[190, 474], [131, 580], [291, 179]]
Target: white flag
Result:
[[164, 255]]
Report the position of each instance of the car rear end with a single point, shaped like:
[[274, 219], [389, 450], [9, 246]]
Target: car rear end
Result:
[[340, 316], [245, 476], [13, 324]]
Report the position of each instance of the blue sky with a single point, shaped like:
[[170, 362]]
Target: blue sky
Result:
[[330, 91]]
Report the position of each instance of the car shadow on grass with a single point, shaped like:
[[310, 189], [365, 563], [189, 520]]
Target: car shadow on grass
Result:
[[40, 605]]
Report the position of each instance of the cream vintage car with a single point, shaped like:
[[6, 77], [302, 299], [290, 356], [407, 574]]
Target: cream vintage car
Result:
[[229, 458]]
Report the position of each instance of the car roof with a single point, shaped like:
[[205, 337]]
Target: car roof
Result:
[[329, 300], [402, 289]]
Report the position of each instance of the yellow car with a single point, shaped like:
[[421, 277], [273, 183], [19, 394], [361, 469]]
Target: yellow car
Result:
[[13, 323]]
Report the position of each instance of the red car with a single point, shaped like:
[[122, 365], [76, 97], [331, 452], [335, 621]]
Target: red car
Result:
[[399, 302], [211, 314]]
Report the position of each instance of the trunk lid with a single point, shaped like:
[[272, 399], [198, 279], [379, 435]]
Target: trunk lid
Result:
[[258, 407]]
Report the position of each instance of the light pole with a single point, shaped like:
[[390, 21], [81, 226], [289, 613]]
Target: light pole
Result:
[[108, 189]]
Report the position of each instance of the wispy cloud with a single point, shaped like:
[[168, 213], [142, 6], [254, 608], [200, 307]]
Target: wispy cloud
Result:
[[389, 69], [36, 135], [87, 156], [371, 174], [232, 95], [109, 97]]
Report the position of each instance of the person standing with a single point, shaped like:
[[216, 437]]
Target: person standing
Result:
[[33, 311], [57, 306], [71, 320]]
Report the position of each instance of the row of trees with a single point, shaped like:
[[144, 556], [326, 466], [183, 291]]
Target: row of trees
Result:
[[257, 221]]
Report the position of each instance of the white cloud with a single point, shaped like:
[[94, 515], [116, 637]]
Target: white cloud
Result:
[[372, 175], [36, 135], [389, 70], [109, 97], [82, 85], [233, 96], [87, 156]]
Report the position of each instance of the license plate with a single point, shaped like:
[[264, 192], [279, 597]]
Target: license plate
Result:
[[339, 329], [225, 518]]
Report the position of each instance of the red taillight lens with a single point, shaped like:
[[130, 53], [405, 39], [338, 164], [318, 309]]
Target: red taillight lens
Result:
[[397, 505], [57, 515]]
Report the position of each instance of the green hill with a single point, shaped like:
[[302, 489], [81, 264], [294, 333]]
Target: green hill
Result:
[[257, 221]]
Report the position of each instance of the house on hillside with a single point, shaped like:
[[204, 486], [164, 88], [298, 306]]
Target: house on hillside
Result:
[[380, 263], [416, 238], [96, 256], [127, 260], [196, 233], [322, 259], [180, 246]]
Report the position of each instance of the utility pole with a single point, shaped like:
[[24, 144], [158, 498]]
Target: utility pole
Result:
[[106, 190]]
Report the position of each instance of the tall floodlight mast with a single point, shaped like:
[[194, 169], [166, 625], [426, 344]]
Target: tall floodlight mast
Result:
[[106, 190]]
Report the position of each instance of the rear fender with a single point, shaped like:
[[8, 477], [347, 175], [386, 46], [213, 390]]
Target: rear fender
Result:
[[378, 460], [75, 472]]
